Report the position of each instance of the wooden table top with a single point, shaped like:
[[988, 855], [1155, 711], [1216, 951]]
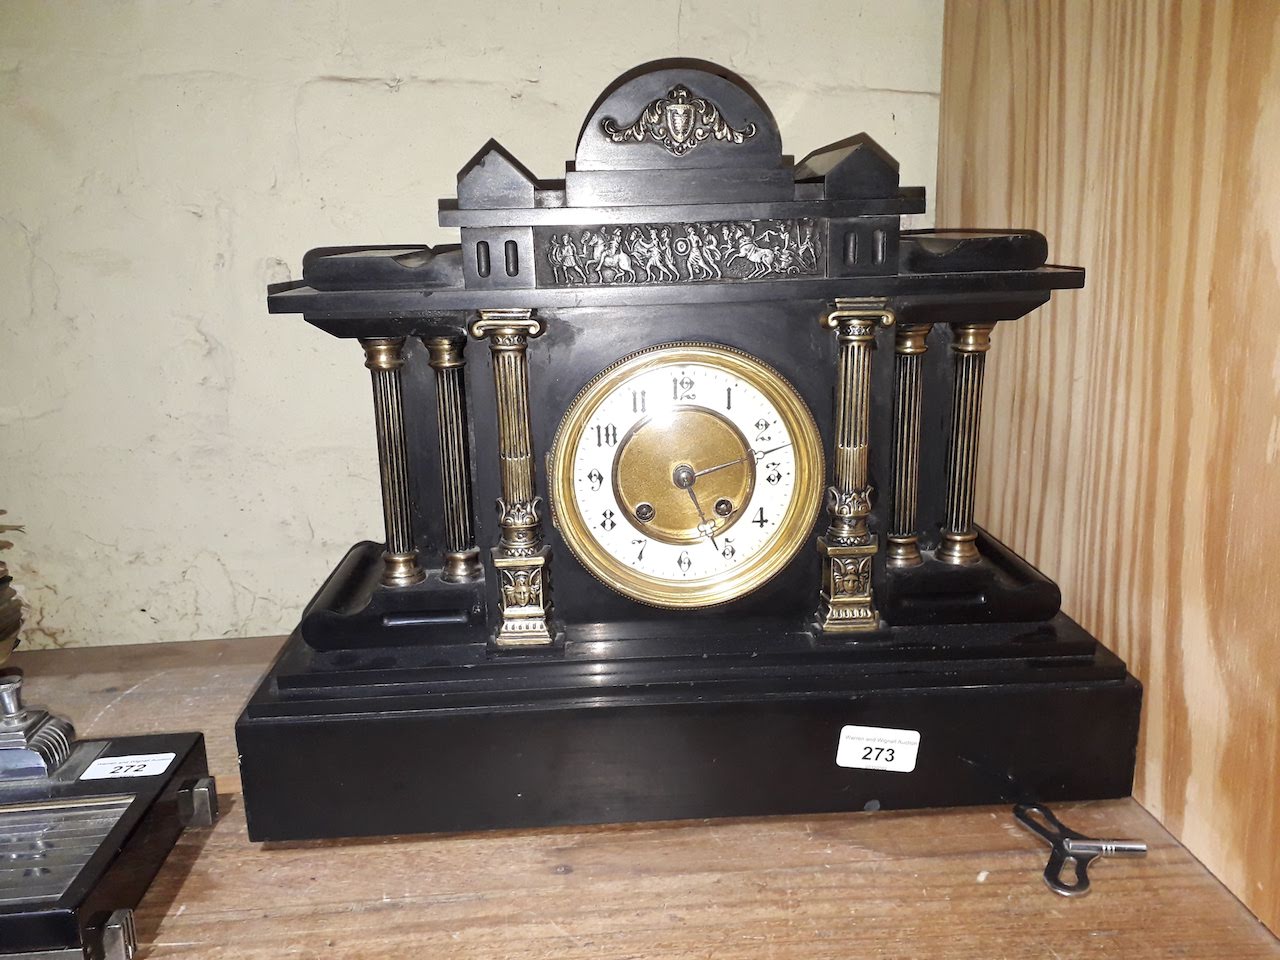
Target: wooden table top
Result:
[[954, 883]]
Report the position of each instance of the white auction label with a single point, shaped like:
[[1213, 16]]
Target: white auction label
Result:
[[878, 748], [135, 765]]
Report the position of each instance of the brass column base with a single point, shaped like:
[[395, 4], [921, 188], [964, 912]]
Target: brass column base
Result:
[[958, 548], [903, 552], [522, 596], [401, 570], [846, 605], [461, 566]]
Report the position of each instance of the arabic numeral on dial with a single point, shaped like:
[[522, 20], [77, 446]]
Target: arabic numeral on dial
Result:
[[762, 430], [607, 435], [728, 398], [728, 552], [682, 388], [607, 521], [760, 519], [641, 544], [596, 479], [684, 563], [638, 401], [774, 476]]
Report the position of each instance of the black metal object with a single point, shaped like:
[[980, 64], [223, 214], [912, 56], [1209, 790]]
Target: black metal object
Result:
[[389, 711], [78, 854]]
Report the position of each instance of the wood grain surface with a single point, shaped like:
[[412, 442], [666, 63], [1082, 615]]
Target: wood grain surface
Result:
[[1131, 442], [958, 883]]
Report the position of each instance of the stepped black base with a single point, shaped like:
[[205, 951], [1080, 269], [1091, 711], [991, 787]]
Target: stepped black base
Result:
[[617, 729]]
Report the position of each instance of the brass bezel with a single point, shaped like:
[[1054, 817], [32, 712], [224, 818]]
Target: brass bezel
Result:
[[792, 532]]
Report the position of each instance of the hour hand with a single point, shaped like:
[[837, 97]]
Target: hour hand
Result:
[[705, 527]]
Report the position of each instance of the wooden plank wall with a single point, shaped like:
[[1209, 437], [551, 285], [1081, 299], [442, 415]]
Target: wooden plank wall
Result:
[[1131, 434]]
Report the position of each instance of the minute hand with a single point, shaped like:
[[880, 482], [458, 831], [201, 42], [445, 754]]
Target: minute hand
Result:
[[757, 454]]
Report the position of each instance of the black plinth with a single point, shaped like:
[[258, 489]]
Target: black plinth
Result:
[[628, 725]]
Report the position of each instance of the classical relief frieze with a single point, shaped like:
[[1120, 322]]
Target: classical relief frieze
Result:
[[681, 252]]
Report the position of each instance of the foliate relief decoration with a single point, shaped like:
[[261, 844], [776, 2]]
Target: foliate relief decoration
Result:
[[520, 524], [848, 510], [677, 122], [685, 252]]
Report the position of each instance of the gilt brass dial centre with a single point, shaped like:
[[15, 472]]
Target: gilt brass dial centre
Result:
[[683, 464]]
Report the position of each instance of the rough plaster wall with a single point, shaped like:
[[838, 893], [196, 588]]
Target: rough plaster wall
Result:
[[183, 464]]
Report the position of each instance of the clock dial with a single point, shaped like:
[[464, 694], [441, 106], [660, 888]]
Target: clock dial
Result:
[[686, 475]]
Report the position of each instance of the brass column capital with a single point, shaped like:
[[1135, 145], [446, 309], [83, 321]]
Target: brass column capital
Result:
[[857, 316], [971, 337], [383, 353], [507, 328], [444, 353], [911, 339]]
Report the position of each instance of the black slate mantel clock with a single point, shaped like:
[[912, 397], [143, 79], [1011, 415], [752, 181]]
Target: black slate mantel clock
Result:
[[678, 469]]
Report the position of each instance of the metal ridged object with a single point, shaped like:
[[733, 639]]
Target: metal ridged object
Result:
[[511, 375], [520, 557], [52, 740], [44, 846], [33, 742], [970, 345], [909, 348], [79, 847], [846, 604], [384, 358], [461, 558]]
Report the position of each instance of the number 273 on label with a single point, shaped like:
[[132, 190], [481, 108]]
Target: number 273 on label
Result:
[[877, 748]]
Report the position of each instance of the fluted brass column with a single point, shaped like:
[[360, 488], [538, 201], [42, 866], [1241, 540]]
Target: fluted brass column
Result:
[[521, 558], [903, 549], [384, 357], [461, 557], [970, 343], [846, 604]]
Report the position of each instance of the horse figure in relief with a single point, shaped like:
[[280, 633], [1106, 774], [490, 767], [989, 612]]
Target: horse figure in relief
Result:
[[602, 255], [762, 259]]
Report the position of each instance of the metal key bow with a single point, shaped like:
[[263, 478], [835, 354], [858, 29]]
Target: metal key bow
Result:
[[1071, 849]]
